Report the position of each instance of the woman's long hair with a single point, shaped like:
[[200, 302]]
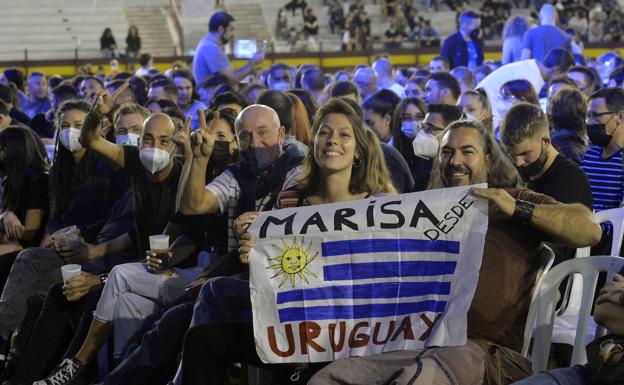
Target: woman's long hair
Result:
[[371, 176], [502, 173], [480, 94], [301, 129], [567, 110], [23, 153], [515, 27], [397, 121], [64, 169]]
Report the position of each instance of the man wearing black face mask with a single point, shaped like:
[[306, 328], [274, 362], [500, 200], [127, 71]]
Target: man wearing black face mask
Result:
[[464, 48], [249, 185], [603, 160], [525, 135]]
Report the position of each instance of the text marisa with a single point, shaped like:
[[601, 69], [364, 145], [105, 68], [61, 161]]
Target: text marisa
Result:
[[390, 216]]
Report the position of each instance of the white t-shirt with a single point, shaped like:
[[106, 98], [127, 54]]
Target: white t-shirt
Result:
[[521, 70]]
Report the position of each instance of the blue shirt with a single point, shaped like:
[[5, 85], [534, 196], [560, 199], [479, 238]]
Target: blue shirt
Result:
[[473, 56], [209, 59], [606, 178], [192, 112], [542, 39]]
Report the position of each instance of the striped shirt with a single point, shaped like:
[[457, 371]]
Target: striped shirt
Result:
[[226, 189], [606, 178]]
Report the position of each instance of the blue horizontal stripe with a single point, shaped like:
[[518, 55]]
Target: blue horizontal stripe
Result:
[[375, 290], [365, 246], [339, 312], [368, 270]]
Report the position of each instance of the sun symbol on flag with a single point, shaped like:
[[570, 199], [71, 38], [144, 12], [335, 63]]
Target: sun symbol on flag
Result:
[[293, 260]]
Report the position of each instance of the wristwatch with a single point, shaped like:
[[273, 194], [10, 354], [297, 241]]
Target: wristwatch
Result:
[[103, 279]]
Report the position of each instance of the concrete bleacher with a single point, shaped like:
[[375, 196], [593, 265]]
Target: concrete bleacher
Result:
[[54, 29]]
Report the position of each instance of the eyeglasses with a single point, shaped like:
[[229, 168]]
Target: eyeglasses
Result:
[[430, 128], [593, 115]]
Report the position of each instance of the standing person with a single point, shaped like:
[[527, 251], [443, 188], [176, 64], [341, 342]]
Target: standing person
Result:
[[513, 36], [210, 57], [464, 48], [188, 98], [108, 46], [133, 42], [540, 40], [38, 101]]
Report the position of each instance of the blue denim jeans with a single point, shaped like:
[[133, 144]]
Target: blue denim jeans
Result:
[[576, 375], [223, 299]]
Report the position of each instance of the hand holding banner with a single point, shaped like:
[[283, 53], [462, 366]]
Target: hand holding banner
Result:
[[364, 277]]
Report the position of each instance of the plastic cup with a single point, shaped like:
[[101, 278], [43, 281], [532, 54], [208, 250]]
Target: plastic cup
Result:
[[70, 271], [159, 245], [66, 236]]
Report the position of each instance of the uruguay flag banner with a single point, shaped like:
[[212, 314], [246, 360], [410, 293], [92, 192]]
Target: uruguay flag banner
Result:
[[366, 277]]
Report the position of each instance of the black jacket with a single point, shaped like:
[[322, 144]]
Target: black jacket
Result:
[[455, 50]]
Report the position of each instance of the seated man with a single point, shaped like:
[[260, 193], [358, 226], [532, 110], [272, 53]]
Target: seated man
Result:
[[519, 220], [608, 312]]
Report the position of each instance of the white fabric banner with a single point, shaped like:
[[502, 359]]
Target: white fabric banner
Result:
[[365, 277]]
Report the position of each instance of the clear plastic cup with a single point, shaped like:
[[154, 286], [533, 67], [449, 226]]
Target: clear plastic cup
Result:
[[159, 244], [66, 236], [70, 271]]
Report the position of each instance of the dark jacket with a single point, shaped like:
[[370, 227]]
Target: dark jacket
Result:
[[455, 50]]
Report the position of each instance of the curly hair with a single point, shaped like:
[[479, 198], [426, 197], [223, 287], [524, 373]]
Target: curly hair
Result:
[[515, 27]]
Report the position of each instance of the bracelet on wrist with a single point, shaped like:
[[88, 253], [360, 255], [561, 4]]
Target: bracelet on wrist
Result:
[[523, 211], [103, 279]]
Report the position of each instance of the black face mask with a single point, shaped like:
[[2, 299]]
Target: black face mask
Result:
[[220, 151], [598, 135], [534, 168], [475, 34]]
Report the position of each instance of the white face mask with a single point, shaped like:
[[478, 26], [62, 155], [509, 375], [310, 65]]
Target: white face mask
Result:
[[130, 138], [154, 159], [425, 145], [408, 128], [69, 139]]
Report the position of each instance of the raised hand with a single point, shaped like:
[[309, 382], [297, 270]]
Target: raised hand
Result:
[[103, 101], [182, 138]]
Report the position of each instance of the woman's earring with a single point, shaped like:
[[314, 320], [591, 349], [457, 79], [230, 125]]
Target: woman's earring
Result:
[[357, 162]]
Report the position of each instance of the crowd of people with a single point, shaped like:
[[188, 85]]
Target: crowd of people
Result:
[[94, 165]]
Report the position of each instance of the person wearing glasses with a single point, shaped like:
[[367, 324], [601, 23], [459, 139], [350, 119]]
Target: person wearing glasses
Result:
[[426, 142], [603, 160]]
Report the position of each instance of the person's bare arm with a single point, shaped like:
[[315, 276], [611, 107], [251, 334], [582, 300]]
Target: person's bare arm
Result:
[[237, 75], [91, 136], [194, 198], [526, 54], [570, 224]]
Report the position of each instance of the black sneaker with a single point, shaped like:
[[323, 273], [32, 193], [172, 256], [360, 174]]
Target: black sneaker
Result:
[[69, 372]]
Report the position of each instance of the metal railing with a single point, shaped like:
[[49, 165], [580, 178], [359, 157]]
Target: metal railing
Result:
[[174, 13]]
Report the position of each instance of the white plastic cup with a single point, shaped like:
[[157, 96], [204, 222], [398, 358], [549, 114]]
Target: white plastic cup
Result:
[[70, 271], [159, 243]]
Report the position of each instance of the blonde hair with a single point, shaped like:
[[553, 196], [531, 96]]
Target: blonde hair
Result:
[[371, 176]]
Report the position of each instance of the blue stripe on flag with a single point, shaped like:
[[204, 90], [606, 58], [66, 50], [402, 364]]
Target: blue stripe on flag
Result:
[[313, 313], [375, 290], [349, 271], [361, 246]]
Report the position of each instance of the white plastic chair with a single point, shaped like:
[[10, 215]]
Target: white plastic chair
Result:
[[547, 257], [588, 268], [564, 330]]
